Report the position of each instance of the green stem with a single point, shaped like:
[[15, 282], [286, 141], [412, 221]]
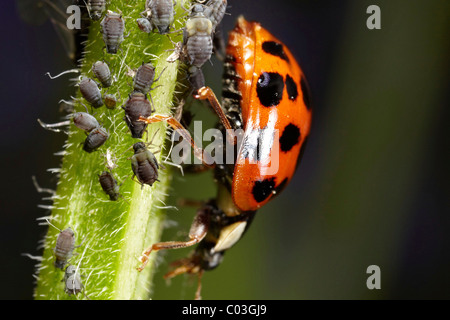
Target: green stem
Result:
[[112, 234]]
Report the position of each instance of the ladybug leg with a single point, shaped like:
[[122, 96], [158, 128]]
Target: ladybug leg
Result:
[[205, 157], [198, 231], [206, 93], [187, 265], [183, 202], [199, 286]]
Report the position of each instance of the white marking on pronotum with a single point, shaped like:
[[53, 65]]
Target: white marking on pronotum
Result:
[[62, 73]]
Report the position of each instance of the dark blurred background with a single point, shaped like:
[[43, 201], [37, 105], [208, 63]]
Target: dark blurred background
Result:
[[372, 188]]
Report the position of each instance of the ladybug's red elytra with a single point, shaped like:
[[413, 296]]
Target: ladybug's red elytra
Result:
[[265, 93]]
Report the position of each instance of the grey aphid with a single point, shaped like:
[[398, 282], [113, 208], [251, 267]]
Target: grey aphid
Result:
[[112, 28], [96, 138], [90, 91], [214, 11], [109, 185], [82, 120], [65, 244], [145, 77], [96, 8], [72, 281], [160, 13], [137, 105], [85, 121], [144, 24], [144, 164], [197, 37], [101, 71]]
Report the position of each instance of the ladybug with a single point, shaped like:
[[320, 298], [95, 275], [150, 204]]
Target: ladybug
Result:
[[265, 94]]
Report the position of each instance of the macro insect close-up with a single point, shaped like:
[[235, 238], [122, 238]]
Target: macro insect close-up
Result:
[[242, 150]]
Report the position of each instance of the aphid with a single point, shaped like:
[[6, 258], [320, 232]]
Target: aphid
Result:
[[96, 138], [102, 73], [144, 25], [265, 94], [72, 281], [110, 100], [196, 78], [90, 91], [198, 43], [96, 8], [144, 164], [214, 11], [136, 105], [65, 244], [144, 77], [85, 121], [112, 28], [109, 185], [82, 120], [160, 14]]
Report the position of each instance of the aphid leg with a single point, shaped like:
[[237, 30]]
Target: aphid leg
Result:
[[52, 126], [88, 10], [132, 178], [50, 224], [205, 93], [62, 73], [198, 231], [41, 190], [81, 242], [205, 157], [179, 166], [151, 103], [160, 75]]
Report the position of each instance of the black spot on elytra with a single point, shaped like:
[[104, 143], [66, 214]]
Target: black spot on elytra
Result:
[[275, 49], [291, 88], [290, 137], [263, 189], [306, 93], [270, 89]]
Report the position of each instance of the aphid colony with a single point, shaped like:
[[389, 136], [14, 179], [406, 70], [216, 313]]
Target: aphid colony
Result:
[[195, 49], [265, 94]]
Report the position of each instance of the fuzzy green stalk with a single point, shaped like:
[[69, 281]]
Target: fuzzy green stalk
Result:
[[113, 234]]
